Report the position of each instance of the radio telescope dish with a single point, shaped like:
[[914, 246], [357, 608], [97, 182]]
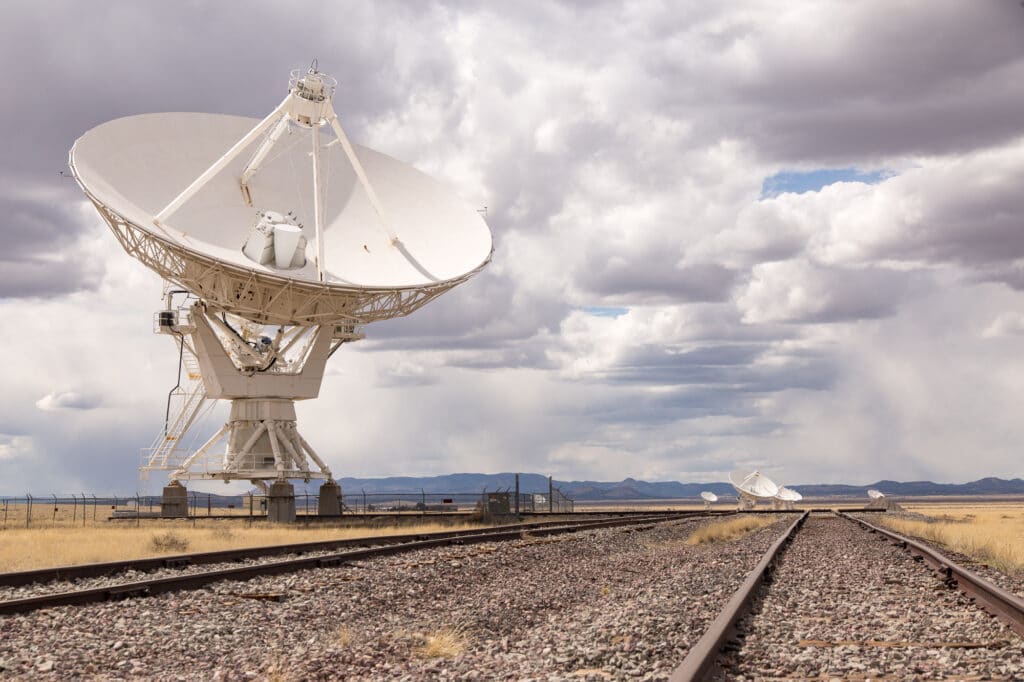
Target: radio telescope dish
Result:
[[708, 498], [288, 238], [876, 494], [752, 486], [787, 497], [184, 193]]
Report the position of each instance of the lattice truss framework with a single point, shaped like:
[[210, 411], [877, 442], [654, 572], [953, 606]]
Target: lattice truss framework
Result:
[[265, 298]]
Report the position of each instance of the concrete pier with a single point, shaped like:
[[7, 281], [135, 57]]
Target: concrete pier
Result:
[[329, 503], [281, 502], [174, 503]]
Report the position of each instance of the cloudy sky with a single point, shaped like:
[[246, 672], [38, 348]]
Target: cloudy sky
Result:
[[747, 234]]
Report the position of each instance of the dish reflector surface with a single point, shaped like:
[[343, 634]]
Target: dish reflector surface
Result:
[[875, 494], [136, 165], [788, 495], [709, 497], [753, 483]]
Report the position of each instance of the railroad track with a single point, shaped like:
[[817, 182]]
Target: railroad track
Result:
[[601, 603], [837, 596], [841, 599], [311, 555]]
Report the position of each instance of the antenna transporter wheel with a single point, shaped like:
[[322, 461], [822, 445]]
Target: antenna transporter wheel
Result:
[[291, 238]]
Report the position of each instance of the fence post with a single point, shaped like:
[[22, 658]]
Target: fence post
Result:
[[28, 509], [364, 500], [94, 503], [551, 501], [138, 510], [517, 494], [423, 500]]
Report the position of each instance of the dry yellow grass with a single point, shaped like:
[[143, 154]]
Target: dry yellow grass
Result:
[[22, 549], [446, 642], [343, 637], [990, 533], [730, 529], [45, 514]]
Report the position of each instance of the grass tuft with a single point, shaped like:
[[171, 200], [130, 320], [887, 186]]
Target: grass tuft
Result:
[[731, 529], [343, 637], [221, 533], [168, 542], [446, 642]]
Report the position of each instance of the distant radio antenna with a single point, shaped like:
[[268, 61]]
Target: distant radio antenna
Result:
[[752, 486], [787, 497]]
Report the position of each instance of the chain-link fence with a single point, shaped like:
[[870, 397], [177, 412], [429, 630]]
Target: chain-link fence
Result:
[[83, 509]]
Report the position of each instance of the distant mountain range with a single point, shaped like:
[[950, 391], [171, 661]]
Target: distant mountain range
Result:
[[632, 489]]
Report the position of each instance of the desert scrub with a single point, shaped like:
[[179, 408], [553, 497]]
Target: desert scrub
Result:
[[731, 529], [343, 636], [446, 642], [168, 542]]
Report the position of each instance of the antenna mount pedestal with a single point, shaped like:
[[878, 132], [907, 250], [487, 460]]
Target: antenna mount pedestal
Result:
[[262, 378]]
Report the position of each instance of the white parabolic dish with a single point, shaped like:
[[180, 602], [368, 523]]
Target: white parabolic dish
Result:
[[788, 495], [875, 494], [709, 497], [754, 484], [132, 167]]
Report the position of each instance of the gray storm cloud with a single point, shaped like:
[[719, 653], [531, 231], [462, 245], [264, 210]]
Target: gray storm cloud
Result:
[[620, 152]]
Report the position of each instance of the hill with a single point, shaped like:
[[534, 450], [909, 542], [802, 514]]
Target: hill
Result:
[[632, 489]]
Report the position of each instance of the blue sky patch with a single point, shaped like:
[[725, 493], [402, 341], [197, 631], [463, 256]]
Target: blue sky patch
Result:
[[812, 181], [602, 311]]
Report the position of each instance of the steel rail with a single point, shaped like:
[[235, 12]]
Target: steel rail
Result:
[[682, 513], [700, 661], [195, 580], [997, 601], [107, 568]]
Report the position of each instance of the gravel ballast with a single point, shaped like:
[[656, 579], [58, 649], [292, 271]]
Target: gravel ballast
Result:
[[843, 604], [606, 604], [1013, 583]]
